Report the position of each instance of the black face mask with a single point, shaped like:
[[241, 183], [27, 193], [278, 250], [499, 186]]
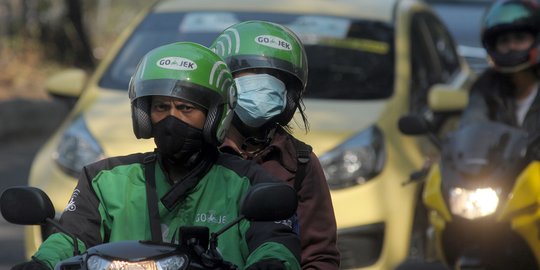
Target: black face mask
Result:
[[176, 140]]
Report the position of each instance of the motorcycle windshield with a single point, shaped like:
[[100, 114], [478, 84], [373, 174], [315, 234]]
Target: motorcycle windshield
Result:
[[484, 148]]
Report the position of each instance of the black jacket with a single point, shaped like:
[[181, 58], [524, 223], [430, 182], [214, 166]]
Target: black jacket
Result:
[[492, 99]]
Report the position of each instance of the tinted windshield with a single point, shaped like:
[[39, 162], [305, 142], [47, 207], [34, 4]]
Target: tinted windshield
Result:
[[347, 59]]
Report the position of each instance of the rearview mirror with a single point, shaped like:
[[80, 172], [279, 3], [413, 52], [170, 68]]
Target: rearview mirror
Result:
[[68, 83], [444, 98], [26, 206], [269, 202]]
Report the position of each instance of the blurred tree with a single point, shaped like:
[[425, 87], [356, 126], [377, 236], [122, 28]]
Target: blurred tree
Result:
[[84, 49], [57, 25], [64, 35], [39, 37], [66, 29]]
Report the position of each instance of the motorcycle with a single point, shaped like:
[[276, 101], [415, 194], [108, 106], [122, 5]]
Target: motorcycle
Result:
[[482, 196], [197, 248]]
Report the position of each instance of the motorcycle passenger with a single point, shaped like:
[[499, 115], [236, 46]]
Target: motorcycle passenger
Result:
[[269, 64], [182, 95], [508, 91]]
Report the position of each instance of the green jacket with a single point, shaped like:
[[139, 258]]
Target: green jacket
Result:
[[109, 204]]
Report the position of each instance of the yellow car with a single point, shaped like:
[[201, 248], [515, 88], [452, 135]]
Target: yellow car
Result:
[[370, 62]]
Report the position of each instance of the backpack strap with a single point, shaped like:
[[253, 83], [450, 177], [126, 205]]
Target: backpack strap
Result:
[[151, 196], [303, 153]]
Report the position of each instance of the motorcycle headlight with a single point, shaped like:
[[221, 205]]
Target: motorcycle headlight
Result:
[[356, 160], [175, 262], [77, 148], [476, 203]]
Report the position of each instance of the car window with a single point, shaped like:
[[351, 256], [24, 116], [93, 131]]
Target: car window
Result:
[[464, 21], [434, 57], [347, 58], [155, 30], [444, 47], [360, 66]]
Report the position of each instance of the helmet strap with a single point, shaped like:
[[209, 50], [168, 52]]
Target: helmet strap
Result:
[[253, 145], [181, 187]]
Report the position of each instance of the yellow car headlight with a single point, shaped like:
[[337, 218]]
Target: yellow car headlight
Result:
[[356, 160], [77, 148], [472, 204]]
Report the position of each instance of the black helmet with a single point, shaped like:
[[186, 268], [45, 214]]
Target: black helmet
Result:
[[511, 15]]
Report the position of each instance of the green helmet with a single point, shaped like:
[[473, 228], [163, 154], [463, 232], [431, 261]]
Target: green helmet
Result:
[[265, 45], [188, 71]]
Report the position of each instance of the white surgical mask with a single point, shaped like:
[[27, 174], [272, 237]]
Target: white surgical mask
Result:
[[260, 97]]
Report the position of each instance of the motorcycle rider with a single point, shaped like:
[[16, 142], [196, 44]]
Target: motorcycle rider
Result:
[[182, 95], [269, 65], [508, 91]]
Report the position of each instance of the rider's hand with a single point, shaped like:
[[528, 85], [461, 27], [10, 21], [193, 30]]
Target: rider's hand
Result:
[[271, 264], [30, 265]]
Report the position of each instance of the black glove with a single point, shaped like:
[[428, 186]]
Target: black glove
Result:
[[269, 264], [34, 264]]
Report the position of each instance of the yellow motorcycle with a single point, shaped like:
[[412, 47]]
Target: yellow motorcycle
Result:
[[483, 196]]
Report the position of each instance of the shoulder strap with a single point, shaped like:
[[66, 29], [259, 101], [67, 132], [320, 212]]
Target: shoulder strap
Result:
[[303, 152], [151, 196]]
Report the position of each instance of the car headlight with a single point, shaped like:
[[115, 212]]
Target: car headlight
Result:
[[175, 262], [77, 148], [474, 203], [356, 160]]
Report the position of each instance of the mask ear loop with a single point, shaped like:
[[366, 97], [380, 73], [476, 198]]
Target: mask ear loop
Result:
[[290, 108]]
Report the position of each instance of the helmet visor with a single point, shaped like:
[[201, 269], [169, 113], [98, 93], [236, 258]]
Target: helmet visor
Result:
[[196, 94], [509, 13]]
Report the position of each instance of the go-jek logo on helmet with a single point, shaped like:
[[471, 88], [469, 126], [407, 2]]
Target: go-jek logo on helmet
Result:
[[177, 63], [273, 42], [221, 74]]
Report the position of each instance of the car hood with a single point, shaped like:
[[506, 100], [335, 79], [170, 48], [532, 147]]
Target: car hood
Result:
[[330, 121], [109, 121], [333, 121]]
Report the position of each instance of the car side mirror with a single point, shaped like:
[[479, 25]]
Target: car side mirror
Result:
[[67, 84], [413, 124], [445, 98]]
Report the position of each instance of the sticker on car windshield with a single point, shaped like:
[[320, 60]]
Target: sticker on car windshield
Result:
[[273, 42], [358, 44], [176, 63], [209, 22], [310, 29]]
